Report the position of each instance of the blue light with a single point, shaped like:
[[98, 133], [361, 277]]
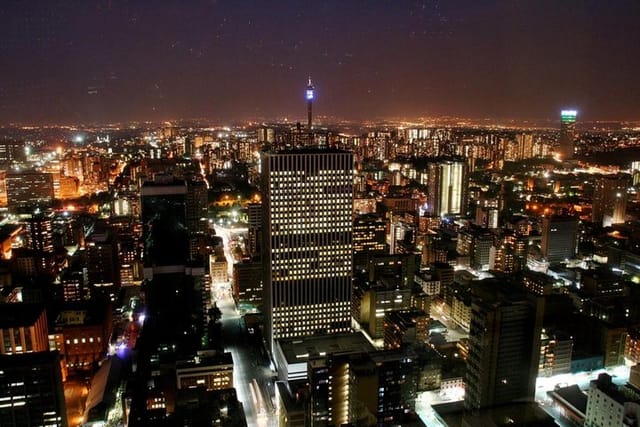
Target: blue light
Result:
[[309, 93]]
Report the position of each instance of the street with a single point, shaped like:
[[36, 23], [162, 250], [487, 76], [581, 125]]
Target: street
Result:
[[252, 375], [75, 395]]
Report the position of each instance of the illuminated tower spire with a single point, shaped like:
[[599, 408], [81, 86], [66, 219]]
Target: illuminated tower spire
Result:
[[309, 93]]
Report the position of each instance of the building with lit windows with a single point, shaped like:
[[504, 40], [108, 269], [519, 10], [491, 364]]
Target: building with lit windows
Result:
[[208, 369], [610, 200], [40, 238], [377, 388], [567, 133], [611, 405], [447, 185], [555, 354], [247, 285], [82, 332], [12, 151], [31, 392], [40, 232], [404, 327], [369, 237], [307, 211], [632, 345], [29, 188], [23, 328]]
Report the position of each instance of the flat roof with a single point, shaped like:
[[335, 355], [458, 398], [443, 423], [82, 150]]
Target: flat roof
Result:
[[15, 315], [524, 414], [24, 360], [306, 150], [300, 350], [573, 396]]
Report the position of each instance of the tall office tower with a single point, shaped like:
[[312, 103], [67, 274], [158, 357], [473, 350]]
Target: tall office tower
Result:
[[163, 200], [103, 265], [31, 390], [559, 238], [350, 388], [165, 195], [504, 345], [40, 239], [196, 206], [447, 187], [254, 219], [369, 238], [610, 200], [307, 244], [196, 214], [40, 228], [567, 133]]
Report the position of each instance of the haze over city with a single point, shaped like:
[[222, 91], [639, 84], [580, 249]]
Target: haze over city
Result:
[[116, 60]]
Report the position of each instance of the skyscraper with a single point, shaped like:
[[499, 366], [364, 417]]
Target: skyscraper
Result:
[[567, 133], [307, 251], [610, 200], [31, 390], [559, 238], [447, 187], [504, 344]]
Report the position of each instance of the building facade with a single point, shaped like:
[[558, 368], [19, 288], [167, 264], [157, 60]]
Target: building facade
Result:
[[307, 211]]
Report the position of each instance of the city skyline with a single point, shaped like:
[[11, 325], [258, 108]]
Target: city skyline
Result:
[[109, 61]]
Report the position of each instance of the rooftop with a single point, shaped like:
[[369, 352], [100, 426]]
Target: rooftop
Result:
[[301, 350], [15, 315]]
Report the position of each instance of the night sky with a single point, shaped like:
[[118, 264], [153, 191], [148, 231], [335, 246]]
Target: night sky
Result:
[[81, 61]]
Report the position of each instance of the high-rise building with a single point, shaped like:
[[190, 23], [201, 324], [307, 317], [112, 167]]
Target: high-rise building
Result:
[[369, 238], [254, 225], [567, 133], [610, 200], [196, 206], [559, 238], [40, 239], [102, 263], [23, 328], [349, 388], [447, 187], [29, 188], [504, 345], [165, 195], [609, 404], [31, 390], [307, 245]]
